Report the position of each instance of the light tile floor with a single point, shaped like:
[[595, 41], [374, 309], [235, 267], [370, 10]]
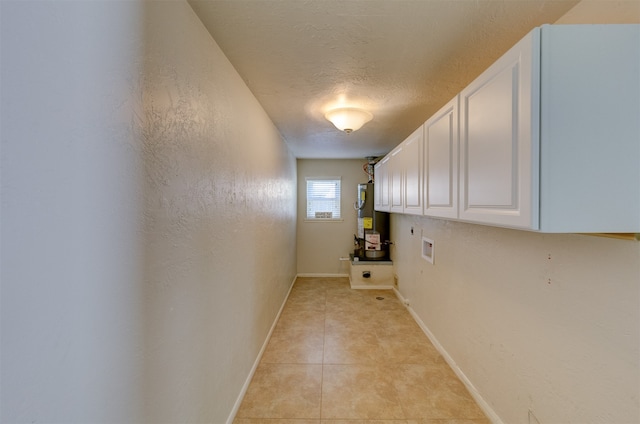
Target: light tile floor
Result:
[[342, 356]]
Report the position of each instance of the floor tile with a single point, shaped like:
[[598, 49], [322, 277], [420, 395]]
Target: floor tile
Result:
[[306, 301], [294, 347], [273, 421], [301, 320], [434, 392], [400, 348], [353, 347], [364, 422], [343, 356], [283, 391], [359, 392], [342, 321], [451, 421]]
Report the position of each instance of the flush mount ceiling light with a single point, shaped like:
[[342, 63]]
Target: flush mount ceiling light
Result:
[[348, 119]]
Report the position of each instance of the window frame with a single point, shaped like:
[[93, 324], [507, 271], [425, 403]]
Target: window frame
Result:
[[307, 218]]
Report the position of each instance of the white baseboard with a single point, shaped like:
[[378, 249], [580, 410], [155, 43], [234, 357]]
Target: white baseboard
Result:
[[245, 386], [366, 287], [321, 275], [486, 408]]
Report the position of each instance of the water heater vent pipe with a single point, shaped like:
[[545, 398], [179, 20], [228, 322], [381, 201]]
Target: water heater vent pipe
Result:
[[371, 161]]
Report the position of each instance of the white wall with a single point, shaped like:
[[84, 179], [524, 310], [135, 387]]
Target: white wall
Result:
[[137, 208], [72, 239], [321, 244], [547, 323]]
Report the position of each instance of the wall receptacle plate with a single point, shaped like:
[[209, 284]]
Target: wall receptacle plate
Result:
[[428, 249]]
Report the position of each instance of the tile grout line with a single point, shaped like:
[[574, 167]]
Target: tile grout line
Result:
[[324, 341]]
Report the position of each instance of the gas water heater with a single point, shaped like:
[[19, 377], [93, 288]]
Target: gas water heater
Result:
[[372, 236]]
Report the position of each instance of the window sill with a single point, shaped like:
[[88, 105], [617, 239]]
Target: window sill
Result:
[[324, 220]]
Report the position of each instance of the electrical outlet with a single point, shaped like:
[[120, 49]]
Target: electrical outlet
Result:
[[395, 280]]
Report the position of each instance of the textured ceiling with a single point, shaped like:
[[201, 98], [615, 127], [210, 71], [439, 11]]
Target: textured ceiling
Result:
[[400, 59]]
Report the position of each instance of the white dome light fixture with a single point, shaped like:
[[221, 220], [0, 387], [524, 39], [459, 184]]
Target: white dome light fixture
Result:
[[348, 119]]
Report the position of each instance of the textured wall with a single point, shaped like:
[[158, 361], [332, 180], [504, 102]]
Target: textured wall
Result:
[[148, 216], [220, 215], [321, 244], [547, 322], [603, 12]]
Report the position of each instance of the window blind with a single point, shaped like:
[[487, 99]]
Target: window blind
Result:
[[323, 198]]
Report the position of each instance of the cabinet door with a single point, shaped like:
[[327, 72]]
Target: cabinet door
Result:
[[381, 185], [396, 171], [441, 162], [499, 153], [411, 160]]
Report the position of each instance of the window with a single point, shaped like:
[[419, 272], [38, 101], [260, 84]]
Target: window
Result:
[[323, 198]]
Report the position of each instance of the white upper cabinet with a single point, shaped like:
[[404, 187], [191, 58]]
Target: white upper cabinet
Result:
[[411, 160], [402, 169], [441, 162], [396, 173], [549, 138], [381, 186], [498, 140]]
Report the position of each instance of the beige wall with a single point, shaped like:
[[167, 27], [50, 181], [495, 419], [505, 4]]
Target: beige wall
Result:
[[547, 323], [535, 321], [220, 221], [603, 12], [322, 244], [148, 217]]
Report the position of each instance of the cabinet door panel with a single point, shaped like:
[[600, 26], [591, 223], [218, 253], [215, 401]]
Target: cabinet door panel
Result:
[[395, 180], [491, 169], [412, 164], [381, 186], [441, 162], [499, 140]]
